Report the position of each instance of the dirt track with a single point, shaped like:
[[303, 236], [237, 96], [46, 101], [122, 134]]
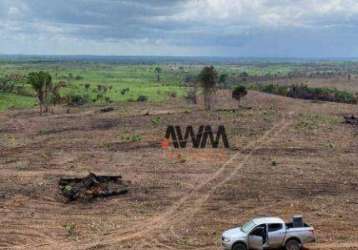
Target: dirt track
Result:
[[185, 199]]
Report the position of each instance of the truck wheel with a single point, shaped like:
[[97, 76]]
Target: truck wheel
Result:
[[293, 245], [239, 246]]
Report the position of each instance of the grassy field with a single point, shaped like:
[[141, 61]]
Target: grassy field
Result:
[[128, 81], [8, 101], [140, 80]]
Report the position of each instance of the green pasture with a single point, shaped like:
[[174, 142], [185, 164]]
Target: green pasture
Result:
[[140, 80]]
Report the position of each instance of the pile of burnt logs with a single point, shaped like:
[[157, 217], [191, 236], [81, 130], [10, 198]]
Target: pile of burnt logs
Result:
[[91, 187], [351, 120]]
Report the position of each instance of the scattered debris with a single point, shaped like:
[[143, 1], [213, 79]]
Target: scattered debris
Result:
[[107, 109], [227, 110], [132, 144], [351, 120], [164, 112], [233, 110], [92, 186]]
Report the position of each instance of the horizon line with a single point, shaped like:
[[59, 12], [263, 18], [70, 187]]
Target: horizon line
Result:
[[180, 56]]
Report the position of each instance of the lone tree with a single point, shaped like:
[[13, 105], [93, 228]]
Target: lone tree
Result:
[[238, 93], [208, 78], [158, 70], [41, 82]]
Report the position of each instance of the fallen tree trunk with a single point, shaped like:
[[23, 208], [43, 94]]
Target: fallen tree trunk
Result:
[[91, 187]]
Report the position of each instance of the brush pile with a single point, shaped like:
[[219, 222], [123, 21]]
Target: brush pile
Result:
[[351, 120], [91, 187]]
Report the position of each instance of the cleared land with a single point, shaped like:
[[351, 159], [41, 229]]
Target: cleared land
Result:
[[288, 157]]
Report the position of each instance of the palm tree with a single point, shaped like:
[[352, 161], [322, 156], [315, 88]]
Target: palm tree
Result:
[[158, 70], [41, 82]]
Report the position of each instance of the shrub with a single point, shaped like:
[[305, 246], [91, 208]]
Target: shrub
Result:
[[70, 229], [103, 92], [6, 85], [304, 92], [239, 92], [107, 99], [87, 86], [173, 94], [136, 138], [156, 121], [142, 98], [345, 97], [274, 89], [24, 91], [322, 94], [124, 91], [132, 138], [77, 100]]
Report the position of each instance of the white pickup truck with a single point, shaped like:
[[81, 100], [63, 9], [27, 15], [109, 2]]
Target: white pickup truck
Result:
[[269, 233]]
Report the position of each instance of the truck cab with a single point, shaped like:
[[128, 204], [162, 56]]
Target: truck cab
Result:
[[267, 233]]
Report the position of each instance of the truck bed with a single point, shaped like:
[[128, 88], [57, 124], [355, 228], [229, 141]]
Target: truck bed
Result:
[[290, 225]]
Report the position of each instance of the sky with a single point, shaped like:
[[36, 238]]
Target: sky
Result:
[[227, 28]]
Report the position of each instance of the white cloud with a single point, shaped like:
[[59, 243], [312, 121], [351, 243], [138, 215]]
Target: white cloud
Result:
[[176, 26], [265, 13]]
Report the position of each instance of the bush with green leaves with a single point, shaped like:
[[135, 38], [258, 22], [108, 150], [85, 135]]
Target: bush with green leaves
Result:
[[124, 91], [41, 82], [274, 89], [70, 229], [302, 91], [7, 85], [322, 94], [103, 93], [239, 92], [156, 121], [142, 98], [132, 138], [77, 99]]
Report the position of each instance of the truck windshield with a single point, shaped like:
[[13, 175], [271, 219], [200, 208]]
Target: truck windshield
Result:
[[248, 227]]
